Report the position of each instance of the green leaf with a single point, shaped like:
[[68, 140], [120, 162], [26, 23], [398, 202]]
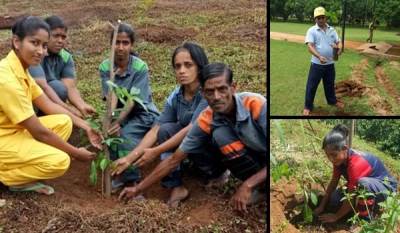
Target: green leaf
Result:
[[305, 196], [307, 214], [103, 164], [134, 91], [314, 198], [83, 141], [111, 85], [93, 173], [94, 124], [298, 192], [272, 159], [139, 101], [280, 132]]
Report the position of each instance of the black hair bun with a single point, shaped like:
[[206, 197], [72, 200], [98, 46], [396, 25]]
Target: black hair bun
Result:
[[342, 128]]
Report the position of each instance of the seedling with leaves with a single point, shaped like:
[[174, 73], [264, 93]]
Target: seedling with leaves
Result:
[[387, 221]]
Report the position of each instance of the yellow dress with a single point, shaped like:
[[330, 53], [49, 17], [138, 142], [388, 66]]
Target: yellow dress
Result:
[[22, 158]]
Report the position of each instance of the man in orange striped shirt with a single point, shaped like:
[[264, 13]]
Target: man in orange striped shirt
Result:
[[236, 123]]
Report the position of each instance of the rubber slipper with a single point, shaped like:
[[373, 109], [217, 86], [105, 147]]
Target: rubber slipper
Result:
[[139, 198], [221, 180], [3, 202], [180, 199], [306, 112], [257, 196], [339, 104], [116, 188], [33, 188]]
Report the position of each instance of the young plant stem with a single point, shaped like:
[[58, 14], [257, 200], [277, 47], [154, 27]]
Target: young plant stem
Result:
[[108, 115], [303, 148], [102, 182]]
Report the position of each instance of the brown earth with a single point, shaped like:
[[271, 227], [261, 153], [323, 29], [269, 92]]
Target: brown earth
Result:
[[77, 205]]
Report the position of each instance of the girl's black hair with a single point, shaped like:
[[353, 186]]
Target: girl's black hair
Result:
[[214, 70], [127, 28], [336, 139], [196, 53], [28, 26], [56, 21]]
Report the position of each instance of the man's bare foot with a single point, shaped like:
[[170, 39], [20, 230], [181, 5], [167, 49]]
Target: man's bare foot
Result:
[[47, 190], [178, 195]]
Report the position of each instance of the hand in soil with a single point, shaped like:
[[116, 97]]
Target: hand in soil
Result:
[[95, 138], [327, 218], [120, 165], [318, 210], [149, 155], [83, 155], [240, 199], [128, 193]]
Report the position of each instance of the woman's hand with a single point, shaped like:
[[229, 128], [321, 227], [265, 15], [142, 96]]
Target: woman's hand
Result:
[[82, 154], [318, 210], [327, 218], [95, 138]]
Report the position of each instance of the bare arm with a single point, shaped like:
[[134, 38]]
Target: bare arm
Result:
[[151, 153], [314, 52], [52, 95], [148, 141], [243, 194], [331, 188], [75, 98], [49, 108], [162, 169]]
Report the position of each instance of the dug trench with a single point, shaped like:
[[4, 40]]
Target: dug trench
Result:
[[356, 87], [79, 206]]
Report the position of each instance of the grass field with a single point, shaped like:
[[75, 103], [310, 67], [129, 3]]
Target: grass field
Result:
[[352, 33], [290, 64], [289, 68]]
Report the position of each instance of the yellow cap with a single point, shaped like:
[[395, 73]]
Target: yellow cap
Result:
[[319, 11]]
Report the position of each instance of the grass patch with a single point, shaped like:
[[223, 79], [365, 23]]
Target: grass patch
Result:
[[352, 33], [289, 73], [288, 84]]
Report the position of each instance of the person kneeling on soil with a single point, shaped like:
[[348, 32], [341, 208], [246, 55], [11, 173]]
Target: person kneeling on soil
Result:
[[133, 122], [236, 123], [183, 107], [56, 73], [33, 148], [362, 170]]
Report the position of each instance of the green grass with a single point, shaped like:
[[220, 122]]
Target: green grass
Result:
[[289, 68], [352, 33]]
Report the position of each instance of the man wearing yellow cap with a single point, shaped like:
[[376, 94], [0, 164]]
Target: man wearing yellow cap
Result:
[[320, 40]]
